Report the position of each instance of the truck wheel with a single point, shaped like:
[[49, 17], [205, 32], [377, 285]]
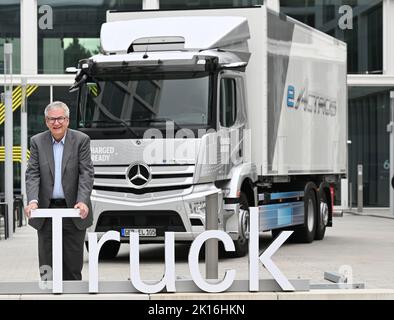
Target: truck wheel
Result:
[[323, 215], [242, 243], [306, 233], [109, 250]]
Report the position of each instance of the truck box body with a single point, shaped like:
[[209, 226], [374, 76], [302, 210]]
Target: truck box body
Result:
[[296, 91]]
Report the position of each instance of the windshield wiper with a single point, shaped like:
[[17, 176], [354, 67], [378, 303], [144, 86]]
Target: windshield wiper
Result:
[[115, 119], [100, 121]]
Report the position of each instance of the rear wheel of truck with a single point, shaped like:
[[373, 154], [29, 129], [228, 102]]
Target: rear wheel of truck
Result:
[[109, 250], [306, 233], [322, 220], [242, 243]]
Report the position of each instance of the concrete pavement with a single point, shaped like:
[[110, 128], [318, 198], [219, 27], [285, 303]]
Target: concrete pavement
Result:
[[358, 294], [362, 244]]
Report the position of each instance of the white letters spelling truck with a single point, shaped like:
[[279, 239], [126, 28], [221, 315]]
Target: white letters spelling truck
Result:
[[244, 103]]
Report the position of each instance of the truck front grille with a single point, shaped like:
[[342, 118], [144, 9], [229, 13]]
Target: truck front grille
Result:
[[163, 178], [140, 191]]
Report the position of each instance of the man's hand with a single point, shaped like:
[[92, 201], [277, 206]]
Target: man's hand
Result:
[[31, 206], [83, 209]]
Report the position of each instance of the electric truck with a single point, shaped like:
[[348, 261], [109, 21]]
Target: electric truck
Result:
[[243, 103]]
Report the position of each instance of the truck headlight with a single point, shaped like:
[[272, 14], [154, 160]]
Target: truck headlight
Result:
[[197, 207]]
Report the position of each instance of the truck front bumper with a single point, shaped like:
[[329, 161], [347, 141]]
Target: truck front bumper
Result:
[[181, 214]]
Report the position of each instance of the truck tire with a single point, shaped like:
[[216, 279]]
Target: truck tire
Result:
[[242, 243], [306, 233], [109, 250], [323, 211]]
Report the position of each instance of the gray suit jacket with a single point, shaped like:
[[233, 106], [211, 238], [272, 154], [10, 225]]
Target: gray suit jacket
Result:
[[77, 173]]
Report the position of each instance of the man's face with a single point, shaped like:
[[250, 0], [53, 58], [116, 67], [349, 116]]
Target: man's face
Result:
[[57, 123]]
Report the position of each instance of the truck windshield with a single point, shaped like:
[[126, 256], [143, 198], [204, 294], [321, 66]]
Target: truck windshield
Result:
[[124, 107]]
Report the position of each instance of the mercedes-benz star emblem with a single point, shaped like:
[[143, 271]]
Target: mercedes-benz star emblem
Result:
[[138, 174]]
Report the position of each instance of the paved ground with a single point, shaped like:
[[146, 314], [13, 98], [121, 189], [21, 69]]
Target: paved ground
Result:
[[363, 243]]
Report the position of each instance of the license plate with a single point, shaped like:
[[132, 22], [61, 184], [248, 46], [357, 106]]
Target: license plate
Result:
[[143, 232]]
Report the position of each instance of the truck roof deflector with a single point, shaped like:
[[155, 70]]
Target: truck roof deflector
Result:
[[199, 33], [157, 44]]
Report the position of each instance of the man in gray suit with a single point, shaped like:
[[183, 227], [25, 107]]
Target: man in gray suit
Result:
[[60, 174]]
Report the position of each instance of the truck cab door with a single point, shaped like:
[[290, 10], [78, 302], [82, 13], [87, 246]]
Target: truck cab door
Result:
[[231, 120]]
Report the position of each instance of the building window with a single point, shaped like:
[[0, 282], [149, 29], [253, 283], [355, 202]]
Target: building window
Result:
[[198, 4], [76, 32], [369, 114], [37, 100], [328, 11], [36, 104], [228, 102], [364, 39], [10, 33]]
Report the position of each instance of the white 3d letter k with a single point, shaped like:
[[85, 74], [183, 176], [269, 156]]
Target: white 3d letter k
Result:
[[265, 258]]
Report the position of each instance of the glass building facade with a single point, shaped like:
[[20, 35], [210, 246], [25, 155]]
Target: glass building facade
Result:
[[70, 31], [363, 33], [198, 4], [10, 32], [75, 31], [369, 114]]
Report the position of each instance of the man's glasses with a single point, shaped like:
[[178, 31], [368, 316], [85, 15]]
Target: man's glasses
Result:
[[58, 119]]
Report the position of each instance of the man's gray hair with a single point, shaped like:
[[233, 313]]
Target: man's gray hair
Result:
[[55, 105]]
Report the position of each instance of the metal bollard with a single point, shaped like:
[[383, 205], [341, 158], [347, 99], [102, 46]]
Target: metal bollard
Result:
[[4, 209], [360, 188], [18, 211], [211, 246], [2, 218]]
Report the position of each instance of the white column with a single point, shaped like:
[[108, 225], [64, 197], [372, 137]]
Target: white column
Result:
[[273, 5], [150, 4], [23, 141], [8, 138], [29, 50], [388, 37]]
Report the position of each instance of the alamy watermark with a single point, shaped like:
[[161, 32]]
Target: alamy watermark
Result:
[[204, 146], [45, 22], [46, 277], [346, 19], [346, 272], [213, 147]]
